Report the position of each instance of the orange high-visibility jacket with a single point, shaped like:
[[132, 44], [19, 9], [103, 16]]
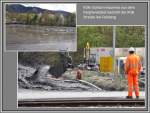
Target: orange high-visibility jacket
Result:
[[132, 64]]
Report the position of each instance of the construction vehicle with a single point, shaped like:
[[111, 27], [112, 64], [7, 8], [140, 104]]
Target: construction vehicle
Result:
[[92, 65], [89, 62]]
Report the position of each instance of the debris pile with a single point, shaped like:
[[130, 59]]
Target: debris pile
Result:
[[31, 78], [101, 80]]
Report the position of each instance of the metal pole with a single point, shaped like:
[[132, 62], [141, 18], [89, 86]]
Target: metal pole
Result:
[[114, 44], [145, 45]]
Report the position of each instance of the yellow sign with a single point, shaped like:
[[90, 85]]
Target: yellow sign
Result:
[[106, 64]]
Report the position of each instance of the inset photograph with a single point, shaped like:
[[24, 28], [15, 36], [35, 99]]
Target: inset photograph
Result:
[[40, 27]]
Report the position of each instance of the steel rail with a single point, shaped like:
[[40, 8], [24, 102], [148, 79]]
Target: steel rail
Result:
[[77, 102]]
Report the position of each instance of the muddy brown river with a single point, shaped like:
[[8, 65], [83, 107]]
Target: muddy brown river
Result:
[[40, 38]]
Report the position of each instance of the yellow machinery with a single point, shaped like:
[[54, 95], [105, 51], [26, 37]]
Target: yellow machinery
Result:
[[87, 53]]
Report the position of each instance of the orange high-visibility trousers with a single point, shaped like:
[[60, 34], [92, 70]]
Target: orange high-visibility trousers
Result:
[[133, 83], [132, 68]]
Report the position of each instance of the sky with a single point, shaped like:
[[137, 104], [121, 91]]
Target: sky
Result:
[[53, 6]]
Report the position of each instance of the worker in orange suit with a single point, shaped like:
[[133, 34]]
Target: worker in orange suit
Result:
[[132, 69]]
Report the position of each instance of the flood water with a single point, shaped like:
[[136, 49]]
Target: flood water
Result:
[[34, 37]]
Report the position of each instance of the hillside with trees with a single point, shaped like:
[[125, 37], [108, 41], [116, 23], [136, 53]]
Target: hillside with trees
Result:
[[19, 14]]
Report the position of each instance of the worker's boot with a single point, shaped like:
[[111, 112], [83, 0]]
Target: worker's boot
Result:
[[129, 97]]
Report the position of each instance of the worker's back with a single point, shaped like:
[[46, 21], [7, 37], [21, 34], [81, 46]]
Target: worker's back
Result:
[[133, 64]]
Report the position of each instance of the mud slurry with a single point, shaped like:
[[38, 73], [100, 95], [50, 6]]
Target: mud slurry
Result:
[[40, 78]]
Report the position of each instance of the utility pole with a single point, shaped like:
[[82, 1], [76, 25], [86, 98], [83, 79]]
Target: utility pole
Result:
[[114, 44], [146, 39]]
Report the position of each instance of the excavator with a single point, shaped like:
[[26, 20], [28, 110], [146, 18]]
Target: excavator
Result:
[[89, 62]]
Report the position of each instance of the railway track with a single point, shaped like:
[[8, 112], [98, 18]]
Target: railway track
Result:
[[78, 102]]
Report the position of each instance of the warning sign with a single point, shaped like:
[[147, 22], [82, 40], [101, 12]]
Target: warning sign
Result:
[[106, 64]]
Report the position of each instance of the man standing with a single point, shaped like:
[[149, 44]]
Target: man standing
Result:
[[132, 69]]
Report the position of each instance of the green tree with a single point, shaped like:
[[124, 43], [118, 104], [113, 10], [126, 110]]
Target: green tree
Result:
[[70, 20], [127, 36]]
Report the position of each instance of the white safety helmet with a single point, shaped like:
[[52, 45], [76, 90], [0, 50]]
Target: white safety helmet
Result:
[[131, 49]]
